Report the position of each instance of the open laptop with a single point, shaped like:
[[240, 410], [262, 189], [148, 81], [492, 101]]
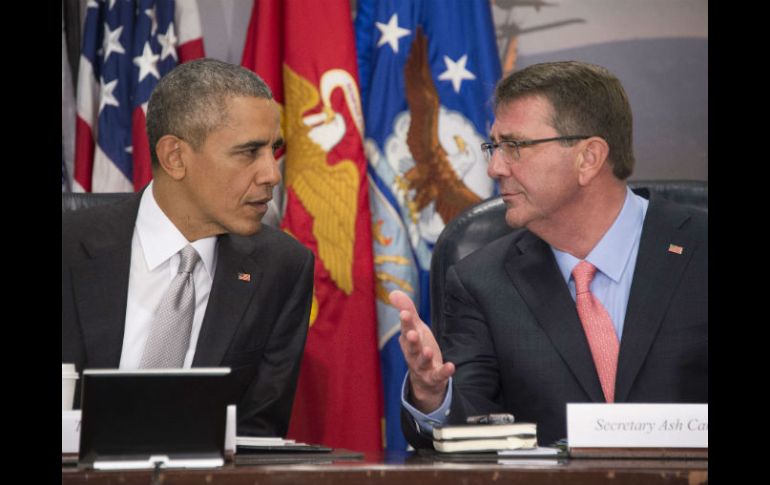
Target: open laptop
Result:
[[154, 417]]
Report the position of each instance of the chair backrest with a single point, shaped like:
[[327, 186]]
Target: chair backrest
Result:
[[74, 201], [485, 222]]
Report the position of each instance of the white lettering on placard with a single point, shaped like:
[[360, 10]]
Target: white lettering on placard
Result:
[[637, 425]]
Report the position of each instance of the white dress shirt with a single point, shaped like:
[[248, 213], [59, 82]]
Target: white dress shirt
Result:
[[155, 261]]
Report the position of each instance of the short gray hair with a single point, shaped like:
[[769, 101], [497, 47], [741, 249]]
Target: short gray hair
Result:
[[191, 100], [587, 100]]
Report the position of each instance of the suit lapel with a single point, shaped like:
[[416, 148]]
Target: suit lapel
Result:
[[100, 285], [533, 270], [658, 272], [228, 300]]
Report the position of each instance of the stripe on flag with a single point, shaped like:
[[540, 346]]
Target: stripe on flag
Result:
[[127, 47]]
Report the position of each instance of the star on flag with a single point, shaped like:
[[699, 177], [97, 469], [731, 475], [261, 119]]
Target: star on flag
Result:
[[456, 72], [391, 32]]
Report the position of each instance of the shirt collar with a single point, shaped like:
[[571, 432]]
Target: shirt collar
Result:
[[161, 239], [611, 253]]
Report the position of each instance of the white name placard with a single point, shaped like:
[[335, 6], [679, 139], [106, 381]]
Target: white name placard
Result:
[[637, 425], [70, 430]]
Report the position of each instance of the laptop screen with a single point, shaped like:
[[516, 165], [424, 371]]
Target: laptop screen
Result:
[[134, 415]]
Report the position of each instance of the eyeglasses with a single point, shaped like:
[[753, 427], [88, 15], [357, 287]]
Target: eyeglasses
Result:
[[510, 148]]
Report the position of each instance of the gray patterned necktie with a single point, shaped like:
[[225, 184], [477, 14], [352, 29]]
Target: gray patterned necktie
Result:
[[170, 332]]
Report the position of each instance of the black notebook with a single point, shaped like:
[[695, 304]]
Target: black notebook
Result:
[[139, 418]]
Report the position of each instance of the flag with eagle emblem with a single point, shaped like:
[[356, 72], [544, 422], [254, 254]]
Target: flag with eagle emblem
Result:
[[305, 51], [428, 71]]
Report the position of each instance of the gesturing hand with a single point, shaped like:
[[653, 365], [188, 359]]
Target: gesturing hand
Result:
[[428, 373]]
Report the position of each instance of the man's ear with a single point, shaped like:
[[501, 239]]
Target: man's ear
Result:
[[169, 151], [592, 158]]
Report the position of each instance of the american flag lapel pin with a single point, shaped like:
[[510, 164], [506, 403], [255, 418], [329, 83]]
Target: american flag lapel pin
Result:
[[244, 276], [674, 248]]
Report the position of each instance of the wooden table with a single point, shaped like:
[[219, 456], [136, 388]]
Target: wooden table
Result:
[[412, 469]]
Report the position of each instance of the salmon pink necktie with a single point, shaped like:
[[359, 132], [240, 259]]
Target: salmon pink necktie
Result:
[[598, 327]]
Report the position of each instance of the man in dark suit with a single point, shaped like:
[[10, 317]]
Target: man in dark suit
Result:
[[602, 299], [213, 129]]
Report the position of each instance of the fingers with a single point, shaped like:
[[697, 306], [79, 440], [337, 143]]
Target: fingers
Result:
[[401, 300], [428, 389], [407, 310], [412, 346], [421, 350], [445, 372], [437, 375], [424, 361], [419, 357]]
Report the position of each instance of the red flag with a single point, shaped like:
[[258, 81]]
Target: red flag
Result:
[[306, 52]]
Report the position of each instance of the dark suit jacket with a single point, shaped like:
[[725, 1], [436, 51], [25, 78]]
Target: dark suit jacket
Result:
[[257, 327], [513, 331]]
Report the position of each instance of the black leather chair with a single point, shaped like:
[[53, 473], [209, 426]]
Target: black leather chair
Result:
[[74, 201], [485, 222]]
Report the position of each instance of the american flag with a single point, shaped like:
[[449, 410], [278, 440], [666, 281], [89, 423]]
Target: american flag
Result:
[[128, 45]]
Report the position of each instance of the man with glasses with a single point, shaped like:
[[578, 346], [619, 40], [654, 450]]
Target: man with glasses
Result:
[[604, 296]]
